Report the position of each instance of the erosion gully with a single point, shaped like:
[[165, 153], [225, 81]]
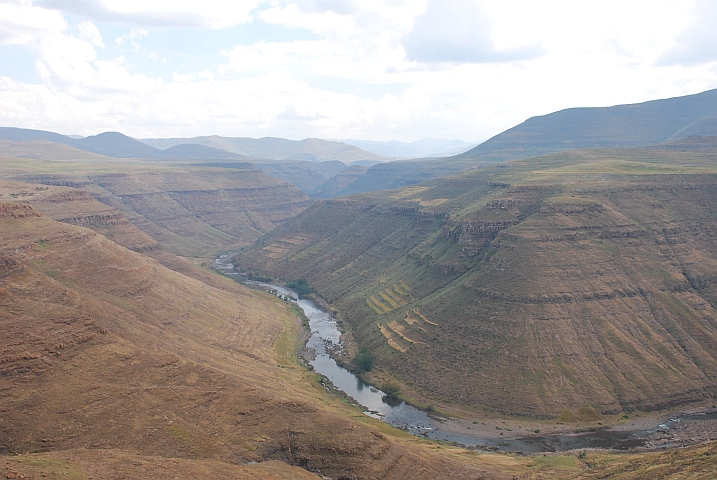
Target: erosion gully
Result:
[[325, 336]]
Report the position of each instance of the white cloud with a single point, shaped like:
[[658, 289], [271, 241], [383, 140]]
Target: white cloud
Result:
[[259, 56], [355, 79], [698, 43], [21, 23], [459, 31], [183, 78], [160, 13], [131, 37], [90, 32]]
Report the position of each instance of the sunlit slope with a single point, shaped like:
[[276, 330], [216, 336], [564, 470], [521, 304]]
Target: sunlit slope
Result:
[[106, 350], [576, 282], [77, 207], [189, 211]]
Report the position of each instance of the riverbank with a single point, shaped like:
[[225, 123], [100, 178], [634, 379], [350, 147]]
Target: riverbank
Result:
[[652, 427], [327, 344]]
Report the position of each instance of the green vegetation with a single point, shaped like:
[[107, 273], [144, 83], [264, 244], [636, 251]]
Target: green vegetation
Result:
[[363, 360], [392, 389], [301, 286], [258, 277], [557, 461]]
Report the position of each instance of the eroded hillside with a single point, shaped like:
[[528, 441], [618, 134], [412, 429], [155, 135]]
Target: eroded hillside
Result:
[[569, 285], [105, 353], [78, 207], [190, 211]]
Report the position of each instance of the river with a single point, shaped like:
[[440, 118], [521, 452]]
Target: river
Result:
[[325, 334]]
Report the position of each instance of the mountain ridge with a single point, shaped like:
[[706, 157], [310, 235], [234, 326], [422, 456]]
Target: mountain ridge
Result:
[[544, 287], [639, 124], [629, 125], [274, 148]]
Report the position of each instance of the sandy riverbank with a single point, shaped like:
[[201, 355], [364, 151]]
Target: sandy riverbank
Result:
[[655, 427]]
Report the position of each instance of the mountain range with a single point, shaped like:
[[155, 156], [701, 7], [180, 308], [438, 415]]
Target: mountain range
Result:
[[117, 145], [270, 148], [638, 124], [632, 125]]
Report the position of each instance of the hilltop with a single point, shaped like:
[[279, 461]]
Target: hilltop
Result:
[[632, 125], [571, 286]]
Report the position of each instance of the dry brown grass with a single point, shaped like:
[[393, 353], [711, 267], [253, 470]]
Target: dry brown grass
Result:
[[106, 350]]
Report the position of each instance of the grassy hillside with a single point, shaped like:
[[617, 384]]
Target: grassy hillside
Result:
[[638, 124], [112, 366], [306, 175], [105, 353], [77, 207], [338, 182], [576, 284], [190, 211]]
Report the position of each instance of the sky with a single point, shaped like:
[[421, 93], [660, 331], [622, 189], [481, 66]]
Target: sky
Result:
[[361, 69]]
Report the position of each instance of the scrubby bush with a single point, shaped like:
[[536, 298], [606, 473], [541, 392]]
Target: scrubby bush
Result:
[[363, 360], [301, 286], [391, 389]]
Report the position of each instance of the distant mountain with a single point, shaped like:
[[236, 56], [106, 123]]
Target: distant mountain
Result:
[[305, 175], [298, 168], [114, 144], [262, 150], [23, 135], [424, 148], [45, 150], [310, 149], [118, 145], [632, 125], [111, 144], [636, 125], [335, 185], [201, 152]]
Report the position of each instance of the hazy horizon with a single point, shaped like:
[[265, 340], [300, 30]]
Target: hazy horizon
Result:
[[379, 71]]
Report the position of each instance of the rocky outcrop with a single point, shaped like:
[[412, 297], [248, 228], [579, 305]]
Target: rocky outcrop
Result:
[[16, 210]]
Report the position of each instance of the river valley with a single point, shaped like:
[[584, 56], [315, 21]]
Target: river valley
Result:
[[325, 335]]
